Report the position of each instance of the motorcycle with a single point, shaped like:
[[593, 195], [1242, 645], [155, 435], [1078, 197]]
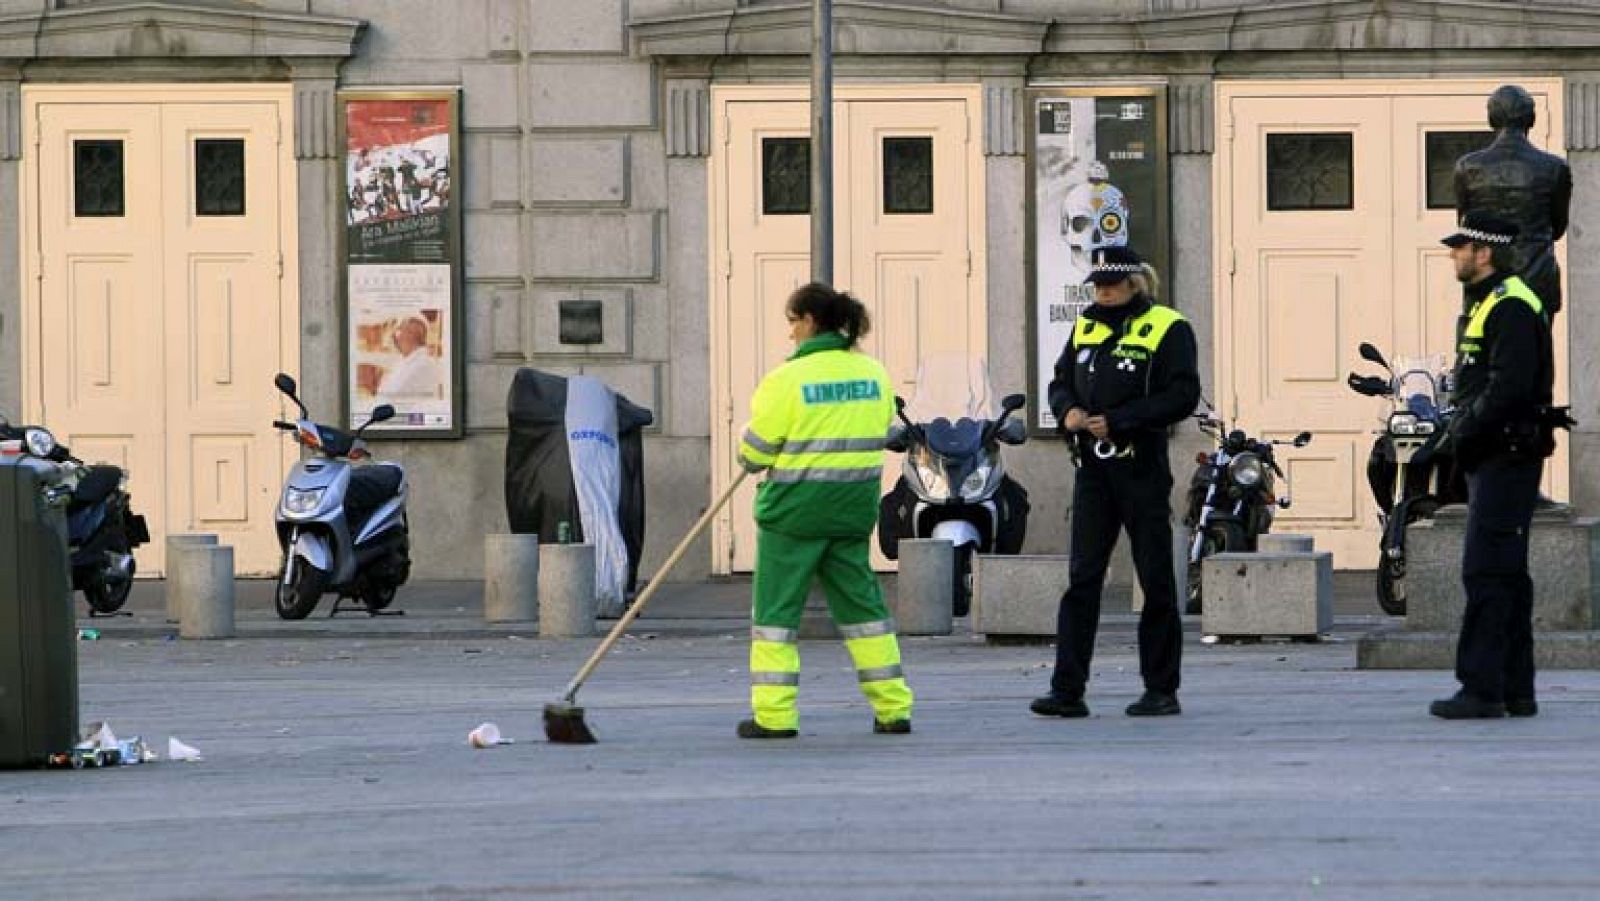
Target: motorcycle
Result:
[[102, 529], [1232, 497], [1410, 477], [341, 521], [954, 485]]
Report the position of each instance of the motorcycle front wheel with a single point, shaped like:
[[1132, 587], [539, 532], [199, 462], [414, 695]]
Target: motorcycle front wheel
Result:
[[1392, 570], [961, 581], [1220, 537], [299, 597]]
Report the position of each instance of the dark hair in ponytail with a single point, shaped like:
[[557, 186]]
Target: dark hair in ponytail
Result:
[[832, 311]]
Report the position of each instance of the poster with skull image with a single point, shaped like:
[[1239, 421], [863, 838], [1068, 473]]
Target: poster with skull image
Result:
[[1098, 180]]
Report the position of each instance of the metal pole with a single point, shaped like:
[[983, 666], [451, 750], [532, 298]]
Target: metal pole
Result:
[[822, 141]]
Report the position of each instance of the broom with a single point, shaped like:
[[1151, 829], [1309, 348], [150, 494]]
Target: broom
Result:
[[563, 719]]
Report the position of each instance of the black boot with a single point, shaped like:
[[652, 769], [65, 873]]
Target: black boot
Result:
[[1522, 707], [1155, 703], [898, 727], [753, 729], [1463, 706], [1060, 705]]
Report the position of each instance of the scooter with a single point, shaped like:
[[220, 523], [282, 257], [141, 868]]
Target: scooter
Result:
[[954, 484], [1232, 497], [102, 529], [341, 520], [1410, 477]]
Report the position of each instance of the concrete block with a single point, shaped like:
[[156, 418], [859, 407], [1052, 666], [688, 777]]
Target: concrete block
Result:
[[1017, 595], [1563, 557], [207, 600], [1403, 648], [599, 246], [578, 171], [922, 602], [564, 94], [175, 586], [1272, 543], [1268, 594], [567, 602], [586, 26], [489, 95], [510, 578]]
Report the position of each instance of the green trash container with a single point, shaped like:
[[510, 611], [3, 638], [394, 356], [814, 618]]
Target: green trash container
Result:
[[38, 635]]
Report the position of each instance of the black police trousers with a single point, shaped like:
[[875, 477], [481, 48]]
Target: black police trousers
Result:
[[1107, 498], [1494, 660]]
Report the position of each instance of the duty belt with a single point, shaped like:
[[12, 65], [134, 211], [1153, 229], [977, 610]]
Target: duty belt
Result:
[[1103, 449]]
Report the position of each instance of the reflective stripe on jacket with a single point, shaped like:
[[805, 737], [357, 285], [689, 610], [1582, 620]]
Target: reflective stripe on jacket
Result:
[[817, 427]]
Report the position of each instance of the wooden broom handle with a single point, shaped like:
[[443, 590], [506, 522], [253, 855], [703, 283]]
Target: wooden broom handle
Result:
[[644, 597]]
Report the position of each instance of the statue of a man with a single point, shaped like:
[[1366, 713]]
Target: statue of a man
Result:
[[1515, 181]]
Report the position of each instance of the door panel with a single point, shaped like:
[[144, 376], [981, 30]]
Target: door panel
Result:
[[100, 350], [910, 265], [225, 461], [1309, 285]]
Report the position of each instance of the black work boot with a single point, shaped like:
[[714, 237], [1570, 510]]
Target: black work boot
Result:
[[1522, 707], [898, 727], [753, 729], [1059, 705], [1463, 706], [1155, 703]]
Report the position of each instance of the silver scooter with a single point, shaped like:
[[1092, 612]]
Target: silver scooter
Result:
[[341, 520]]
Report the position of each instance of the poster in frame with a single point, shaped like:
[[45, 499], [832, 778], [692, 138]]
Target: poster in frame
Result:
[[1097, 176], [401, 260]]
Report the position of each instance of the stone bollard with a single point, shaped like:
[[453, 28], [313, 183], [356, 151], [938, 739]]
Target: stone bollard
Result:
[[567, 603], [510, 578], [207, 590], [1285, 543], [922, 605], [175, 587]]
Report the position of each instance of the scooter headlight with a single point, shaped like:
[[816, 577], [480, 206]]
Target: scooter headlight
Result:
[[976, 485], [40, 442], [300, 502], [1246, 470]]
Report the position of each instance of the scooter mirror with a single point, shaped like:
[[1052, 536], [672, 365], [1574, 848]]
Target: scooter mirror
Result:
[[1302, 439], [382, 413], [285, 383], [1013, 402], [1373, 355], [899, 403]]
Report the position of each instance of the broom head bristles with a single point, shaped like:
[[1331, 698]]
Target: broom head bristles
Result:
[[564, 725]]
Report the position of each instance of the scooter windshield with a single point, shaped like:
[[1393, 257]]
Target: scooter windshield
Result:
[[952, 402]]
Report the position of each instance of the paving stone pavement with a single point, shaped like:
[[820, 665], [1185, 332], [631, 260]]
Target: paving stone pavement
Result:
[[337, 766]]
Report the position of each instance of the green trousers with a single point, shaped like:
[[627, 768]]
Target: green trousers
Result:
[[786, 567]]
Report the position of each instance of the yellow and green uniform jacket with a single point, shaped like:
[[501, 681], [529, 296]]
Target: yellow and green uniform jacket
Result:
[[817, 427]]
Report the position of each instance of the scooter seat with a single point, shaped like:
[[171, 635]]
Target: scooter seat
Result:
[[370, 488], [97, 484]]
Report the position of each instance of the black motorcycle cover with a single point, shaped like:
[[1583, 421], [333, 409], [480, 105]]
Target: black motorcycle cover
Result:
[[540, 494]]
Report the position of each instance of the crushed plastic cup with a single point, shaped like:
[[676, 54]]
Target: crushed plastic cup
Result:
[[486, 736], [178, 751], [88, 634]]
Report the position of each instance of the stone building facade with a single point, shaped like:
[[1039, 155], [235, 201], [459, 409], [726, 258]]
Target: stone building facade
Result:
[[590, 134]]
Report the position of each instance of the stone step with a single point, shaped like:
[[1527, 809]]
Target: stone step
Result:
[[1402, 648]]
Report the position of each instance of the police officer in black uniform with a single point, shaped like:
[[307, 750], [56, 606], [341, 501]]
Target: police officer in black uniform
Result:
[[1127, 375], [1501, 432]]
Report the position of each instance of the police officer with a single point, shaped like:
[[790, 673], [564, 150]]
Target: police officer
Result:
[[1516, 182], [818, 427], [1127, 374], [1501, 433]]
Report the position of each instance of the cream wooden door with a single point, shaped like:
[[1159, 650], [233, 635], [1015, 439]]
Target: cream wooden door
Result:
[[913, 256], [100, 373], [1328, 239], [160, 323]]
